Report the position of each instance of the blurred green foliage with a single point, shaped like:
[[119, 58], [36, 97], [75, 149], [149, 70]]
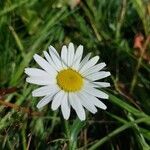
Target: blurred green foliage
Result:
[[106, 28]]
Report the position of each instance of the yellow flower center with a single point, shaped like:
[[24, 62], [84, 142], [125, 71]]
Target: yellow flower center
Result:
[[69, 80]]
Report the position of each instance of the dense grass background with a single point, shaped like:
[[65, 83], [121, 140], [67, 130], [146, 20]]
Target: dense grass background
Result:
[[104, 27]]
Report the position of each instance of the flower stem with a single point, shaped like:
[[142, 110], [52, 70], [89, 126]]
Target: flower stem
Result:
[[68, 134]]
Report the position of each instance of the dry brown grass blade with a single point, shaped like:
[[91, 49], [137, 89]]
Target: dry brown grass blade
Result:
[[19, 108]]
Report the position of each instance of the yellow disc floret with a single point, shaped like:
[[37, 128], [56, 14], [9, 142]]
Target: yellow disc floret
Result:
[[69, 80]]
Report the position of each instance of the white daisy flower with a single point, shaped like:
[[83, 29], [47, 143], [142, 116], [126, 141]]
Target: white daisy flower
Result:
[[69, 81]]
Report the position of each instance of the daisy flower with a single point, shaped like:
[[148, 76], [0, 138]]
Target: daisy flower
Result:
[[69, 81]]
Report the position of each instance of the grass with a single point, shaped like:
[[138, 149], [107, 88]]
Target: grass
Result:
[[105, 28]]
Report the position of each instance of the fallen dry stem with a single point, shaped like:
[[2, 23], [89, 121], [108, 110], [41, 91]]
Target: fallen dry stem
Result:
[[19, 108]]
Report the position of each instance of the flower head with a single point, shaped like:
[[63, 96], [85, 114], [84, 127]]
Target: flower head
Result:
[[69, 81]]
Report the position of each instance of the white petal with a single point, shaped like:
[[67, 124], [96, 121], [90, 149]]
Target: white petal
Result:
[[87, 102], [70, 54], [98, 75], [44, 64], [65, 107], [57, 100], [84, 61], [101, 84], [40, 80], [64, 56], [97, 102], [36, 72], [76, 104], [77, 57], [55, 56], [89, 64], [96, 84], [95, 92], [94, 69], [45, 90], [49, 59], [44, 101]]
